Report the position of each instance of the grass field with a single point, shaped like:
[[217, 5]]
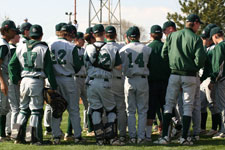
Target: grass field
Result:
[[205, 143]]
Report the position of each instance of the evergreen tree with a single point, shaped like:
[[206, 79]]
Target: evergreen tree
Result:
[[210, 11]]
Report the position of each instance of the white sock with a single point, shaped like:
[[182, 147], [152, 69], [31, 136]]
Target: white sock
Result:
[[148, 131]]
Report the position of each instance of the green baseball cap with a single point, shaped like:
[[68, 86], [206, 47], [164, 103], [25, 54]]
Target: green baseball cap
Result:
[[18, 31], [66, 28], [214, 31], [25, 26], [98, 28], [156, 29], [194, 18], [35, 30], [133, 31], [9, 24], [110, 29], [59, 26], [89, 30], [206, 31], [80, 35], [169, 24]]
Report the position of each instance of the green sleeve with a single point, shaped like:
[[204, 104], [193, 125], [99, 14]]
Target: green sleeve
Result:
[[200, 54], [78, 63], [118, 60], [12, 51], [48, 69], [206, 70], [165, 49], [14, 69], [3, 51], [217, 59]]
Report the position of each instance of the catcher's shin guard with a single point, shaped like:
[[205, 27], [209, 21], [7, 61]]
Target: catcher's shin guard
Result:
[[99, 132], [110, 130]]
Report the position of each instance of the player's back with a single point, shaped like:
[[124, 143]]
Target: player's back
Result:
[[135, 57], [62, 57]]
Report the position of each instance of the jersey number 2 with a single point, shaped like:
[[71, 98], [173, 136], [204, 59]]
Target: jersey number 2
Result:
[[139, 60], [60, 59]]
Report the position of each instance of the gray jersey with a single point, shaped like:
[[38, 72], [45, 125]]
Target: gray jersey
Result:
[[62, 57], [37, 59], [116, 72], [135, 57], [4, 66], [106, 57], [82, 71]]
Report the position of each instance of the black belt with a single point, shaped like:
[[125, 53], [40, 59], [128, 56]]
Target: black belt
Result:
[[119, 77], [65, 75], [91, 78], [142, 76], [80, 76], [34, 77]]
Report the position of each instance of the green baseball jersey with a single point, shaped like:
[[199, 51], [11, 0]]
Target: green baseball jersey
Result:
[[185, 52], [64, 57], [108, 58], [218, 58], [135, 58], [4, 54], [159, 68], [34, 63]]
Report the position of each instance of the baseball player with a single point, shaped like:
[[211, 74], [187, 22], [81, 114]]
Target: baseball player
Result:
[[118, 87], [207, 97], [47, 111], [80, 84], [90, 39], [135, 57], [14, 93], [186, 55], [66, 62], [218, 74], [24, 29], [158, 79], [100, 58], [32, 63], [8, 31]]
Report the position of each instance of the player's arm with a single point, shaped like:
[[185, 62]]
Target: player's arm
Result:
[[118, 61], [14, 69], [165, 49], [78, 63], [48, 69], [200, 54], [217, 59], [3, 52]]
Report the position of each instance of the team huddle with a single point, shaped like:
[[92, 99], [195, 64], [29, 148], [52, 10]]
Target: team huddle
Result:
[[172, 83]]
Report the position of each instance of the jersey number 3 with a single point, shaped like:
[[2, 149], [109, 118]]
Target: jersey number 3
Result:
[[139, 60]]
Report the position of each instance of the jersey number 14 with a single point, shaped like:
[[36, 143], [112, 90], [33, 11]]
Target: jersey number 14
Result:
[[139, 60]]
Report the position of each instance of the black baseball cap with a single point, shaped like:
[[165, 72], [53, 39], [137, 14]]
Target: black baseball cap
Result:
[[133, 32], [98, 28], [206, 32], [110, 29], [156, 29], [25, 26], [214, 31], [168, 24], [194, 18], [9, 24]]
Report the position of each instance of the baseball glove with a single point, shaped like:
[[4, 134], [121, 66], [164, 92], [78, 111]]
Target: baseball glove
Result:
[[56, 101]]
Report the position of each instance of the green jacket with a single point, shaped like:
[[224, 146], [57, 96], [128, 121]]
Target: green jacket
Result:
[[185, 52], [218, 58], [207, 70], [159, 68]]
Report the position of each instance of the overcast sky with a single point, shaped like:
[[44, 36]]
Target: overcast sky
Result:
[[48, 13]]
